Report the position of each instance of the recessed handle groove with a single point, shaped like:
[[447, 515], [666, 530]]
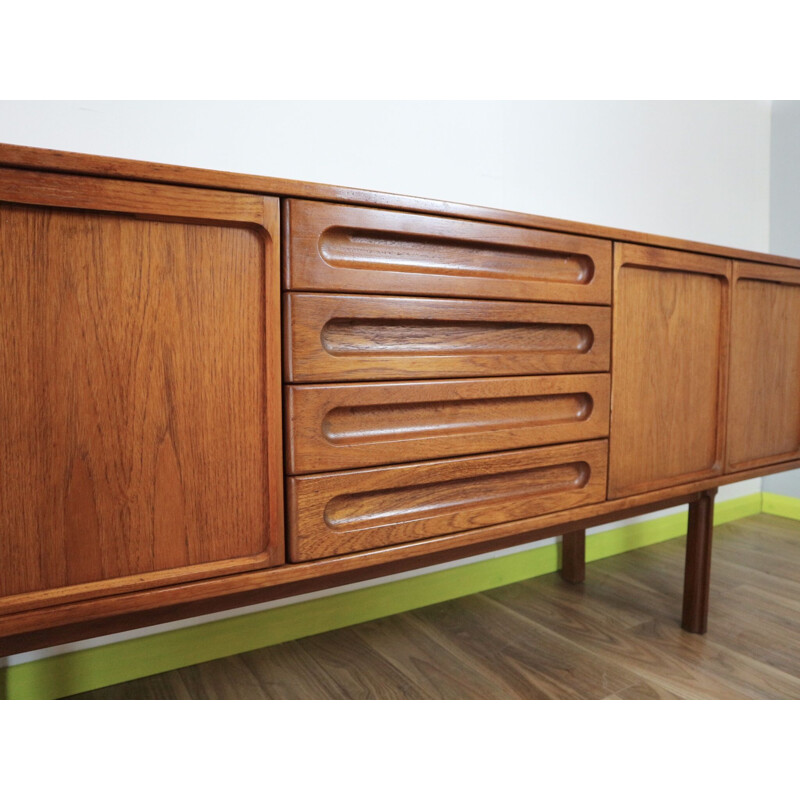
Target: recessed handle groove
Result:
[[358, 248], [410, 337], [405, 421], [358, 511]]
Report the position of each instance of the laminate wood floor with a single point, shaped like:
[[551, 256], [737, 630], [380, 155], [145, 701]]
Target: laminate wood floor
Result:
[[617, 636]]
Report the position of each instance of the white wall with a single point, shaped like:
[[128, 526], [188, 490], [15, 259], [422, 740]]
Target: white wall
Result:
[[695, 170], [784, 235]]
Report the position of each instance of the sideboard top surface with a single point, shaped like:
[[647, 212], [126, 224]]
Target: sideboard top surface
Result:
[[23, 157]]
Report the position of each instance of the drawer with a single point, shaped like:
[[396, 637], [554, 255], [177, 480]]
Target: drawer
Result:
[[344, 248], [356, 337], [358, 510], [343, 426]]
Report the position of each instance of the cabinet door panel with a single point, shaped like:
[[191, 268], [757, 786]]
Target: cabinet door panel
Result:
[[764, 405], [139, 380], [669, 368]]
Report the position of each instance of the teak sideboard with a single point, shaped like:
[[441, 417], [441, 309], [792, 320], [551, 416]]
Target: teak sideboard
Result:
[[221, 389]]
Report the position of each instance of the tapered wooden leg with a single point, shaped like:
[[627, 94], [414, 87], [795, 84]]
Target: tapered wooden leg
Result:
[[697, 576], [573, 556]]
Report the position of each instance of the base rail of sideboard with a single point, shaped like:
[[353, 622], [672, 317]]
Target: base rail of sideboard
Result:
[[92, 621]]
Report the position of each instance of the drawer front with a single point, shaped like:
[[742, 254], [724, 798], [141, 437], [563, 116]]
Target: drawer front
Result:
[[345, 248], [363, 509], [343, 426], [352, 337]]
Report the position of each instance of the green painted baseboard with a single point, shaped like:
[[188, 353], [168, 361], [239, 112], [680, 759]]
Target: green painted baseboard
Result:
[[780, 506], [84, 670]]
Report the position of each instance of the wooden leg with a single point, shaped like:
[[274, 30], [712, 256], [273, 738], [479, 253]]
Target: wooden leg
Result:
[[697, 577], [573, 556]]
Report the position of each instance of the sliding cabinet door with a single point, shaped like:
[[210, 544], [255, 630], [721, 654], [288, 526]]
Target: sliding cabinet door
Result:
[[669, 368]]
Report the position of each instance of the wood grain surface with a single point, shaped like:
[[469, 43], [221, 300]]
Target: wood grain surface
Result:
[[172, 203], [19, 156], [153, 603], [88, 614], [331, 247], [358, 510], [764, 394], [342, 426], [140, 471], [352, 337], [671, 321], [137, 389]]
